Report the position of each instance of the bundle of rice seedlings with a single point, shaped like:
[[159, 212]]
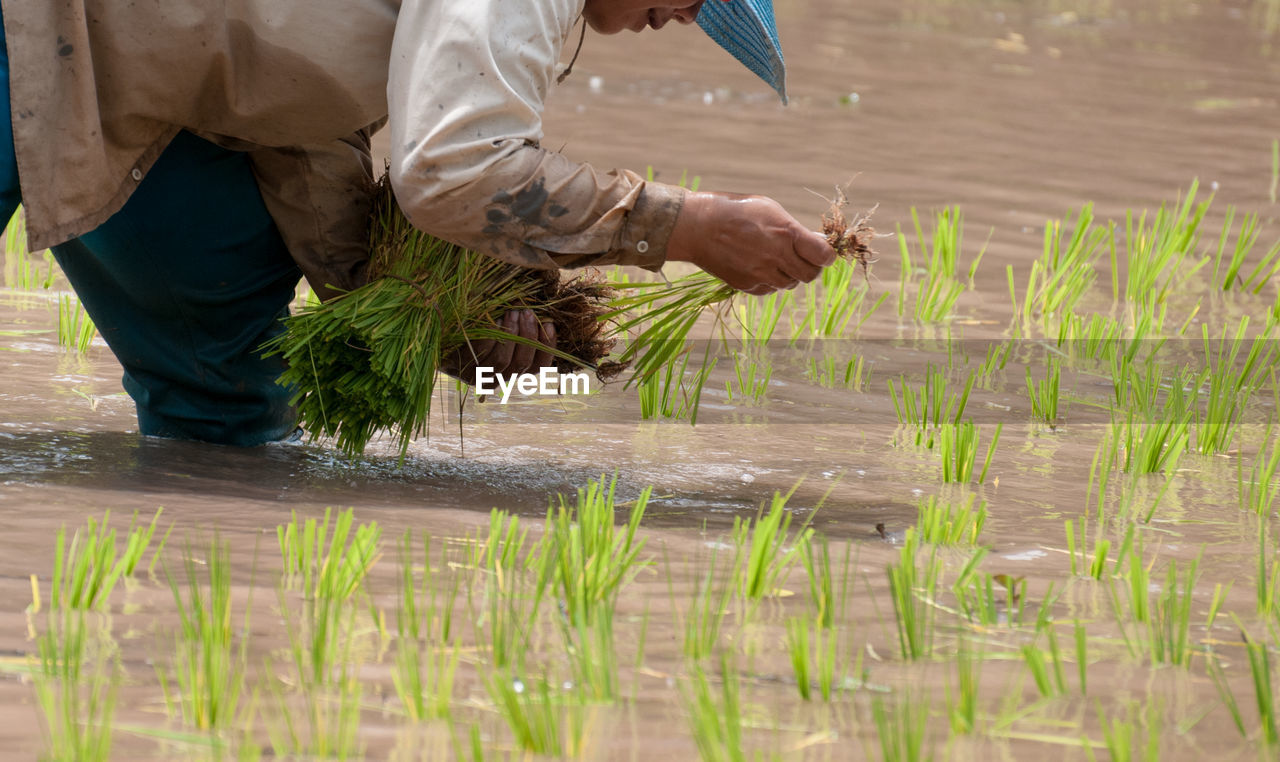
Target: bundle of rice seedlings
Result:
[[366, 362]]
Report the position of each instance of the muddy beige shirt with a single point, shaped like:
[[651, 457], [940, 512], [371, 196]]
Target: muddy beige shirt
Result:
[[100, 87]]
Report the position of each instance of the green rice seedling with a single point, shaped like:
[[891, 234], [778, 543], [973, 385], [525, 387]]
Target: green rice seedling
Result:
[[902, 728], [327, 727], [75, 328], [586, 556], [1263, 690], [962, 695], [502, 547], [16, 272], [588, 561], [1258, 492], [77, 674], [1215, 604], [989, 600], [513, 588], [208, 668], [660, 317], [1106, 458], [997, 358], [1267, 266], [802, 659], [1231, 382], [1082, 656], [317, 641], [1047, 671], [86, 571], [913, 585], [1137, 387], [329, 565], [830, 374], [759, 316], [715, 717], [426, 654], [1134, 584], [824, 598], [941, 286], [1136, 502], [507, 615], [766, 548], [1090, 340], [541, 720], [1078, 551], [1065, 272], [1044, 394], [950, 523], [21, 272], [1162, 256], [332, 562], [1123, 741], [1268, 577], [1169, 631], [1163, 619], [15, 232], [958, 445], [832, 302], [1214, 668], [592, 656], [1138, 578], [1152, 447], [930, 406], [327, 647], [813, 657], [752, 375], [704, 619], [672, 393]]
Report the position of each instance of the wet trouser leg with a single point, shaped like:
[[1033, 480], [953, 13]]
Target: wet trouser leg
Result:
[[10, 196], [185, 283]]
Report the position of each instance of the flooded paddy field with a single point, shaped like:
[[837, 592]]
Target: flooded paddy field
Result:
[[1010, 496]]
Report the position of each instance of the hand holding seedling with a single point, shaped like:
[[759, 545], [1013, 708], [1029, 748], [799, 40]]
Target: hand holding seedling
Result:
[[507, 357], [749, 242]]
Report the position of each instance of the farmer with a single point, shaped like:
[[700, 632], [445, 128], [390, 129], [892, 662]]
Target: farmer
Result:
[[188, 160]]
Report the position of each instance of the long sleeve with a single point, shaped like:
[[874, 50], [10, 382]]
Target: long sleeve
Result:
[[466, 88]]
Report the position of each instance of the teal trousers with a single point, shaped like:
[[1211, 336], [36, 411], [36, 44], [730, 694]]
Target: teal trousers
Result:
[[185, 283]]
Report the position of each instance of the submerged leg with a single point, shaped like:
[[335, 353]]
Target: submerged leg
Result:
[[185, 283]]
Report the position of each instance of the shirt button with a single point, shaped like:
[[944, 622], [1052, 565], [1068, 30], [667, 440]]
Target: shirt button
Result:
[[136, 174], [642, 246]]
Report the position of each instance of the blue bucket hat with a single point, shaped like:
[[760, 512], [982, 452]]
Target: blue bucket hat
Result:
[[746, 29]]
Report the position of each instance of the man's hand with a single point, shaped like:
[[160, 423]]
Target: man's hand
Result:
[[506, 357], [749, 242]]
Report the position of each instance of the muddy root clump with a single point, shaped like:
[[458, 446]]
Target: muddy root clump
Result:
[[576, 308], [850, 239]]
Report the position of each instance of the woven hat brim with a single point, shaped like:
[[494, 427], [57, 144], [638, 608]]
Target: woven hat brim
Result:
[[746, 29]]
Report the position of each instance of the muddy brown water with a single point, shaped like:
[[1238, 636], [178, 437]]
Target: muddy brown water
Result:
[[1016, 111]]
